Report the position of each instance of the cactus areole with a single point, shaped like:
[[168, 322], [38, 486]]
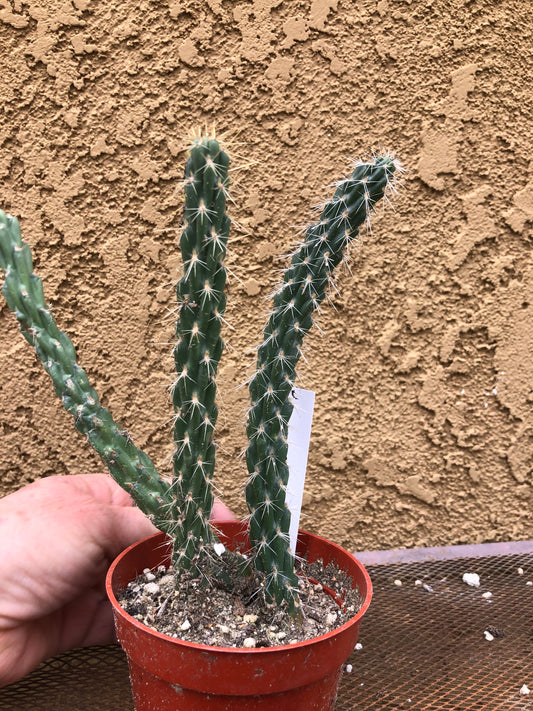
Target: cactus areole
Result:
[[181, 504]]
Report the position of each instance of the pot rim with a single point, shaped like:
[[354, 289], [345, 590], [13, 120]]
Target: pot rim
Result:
[[282, 648]]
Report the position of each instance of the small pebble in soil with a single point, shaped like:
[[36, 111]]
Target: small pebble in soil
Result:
[[418, 583], [358, 646], [524, 691], [349, 669], [398, 583], [520, 571], [487, 595], [219, 548], [488, 636], [471, 579], [151, 588]]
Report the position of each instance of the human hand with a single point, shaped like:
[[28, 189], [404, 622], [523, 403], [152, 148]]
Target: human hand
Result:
[[58, 536]]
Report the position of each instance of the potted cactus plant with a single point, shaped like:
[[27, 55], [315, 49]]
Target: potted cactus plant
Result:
[[169, 674]]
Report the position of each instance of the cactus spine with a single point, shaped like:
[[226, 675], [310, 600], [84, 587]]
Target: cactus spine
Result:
[[201, 300], [304, 287]]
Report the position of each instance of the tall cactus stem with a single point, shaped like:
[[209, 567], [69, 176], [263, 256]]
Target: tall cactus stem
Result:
[[305, 285], [201, 301], [129, 466]]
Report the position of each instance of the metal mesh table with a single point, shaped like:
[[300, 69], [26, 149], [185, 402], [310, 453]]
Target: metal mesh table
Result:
[[423, 644]]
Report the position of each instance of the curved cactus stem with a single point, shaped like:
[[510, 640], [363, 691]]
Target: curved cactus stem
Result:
[[305, 285], [129, 466]]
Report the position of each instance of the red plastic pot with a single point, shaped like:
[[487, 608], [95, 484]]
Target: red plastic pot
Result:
[[170, 675]]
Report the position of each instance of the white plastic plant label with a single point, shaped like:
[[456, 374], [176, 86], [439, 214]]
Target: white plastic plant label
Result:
[[298, 450]]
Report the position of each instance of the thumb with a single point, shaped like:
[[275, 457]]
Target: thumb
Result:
[[129, 525], [220, 512]]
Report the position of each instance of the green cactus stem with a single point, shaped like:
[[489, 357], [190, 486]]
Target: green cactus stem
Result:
[[304, 287], [201, 301], [129, 466], [182, 507]]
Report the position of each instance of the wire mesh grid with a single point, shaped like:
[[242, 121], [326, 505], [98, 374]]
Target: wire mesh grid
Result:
[[423, 647], [90, 679], [424, 644]]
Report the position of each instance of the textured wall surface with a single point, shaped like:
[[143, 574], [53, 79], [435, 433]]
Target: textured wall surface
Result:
[[423, 432]]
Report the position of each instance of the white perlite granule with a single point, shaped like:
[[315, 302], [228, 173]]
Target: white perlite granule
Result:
[[471, 579]]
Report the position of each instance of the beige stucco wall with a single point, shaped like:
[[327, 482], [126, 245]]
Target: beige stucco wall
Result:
[[423, 431]]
